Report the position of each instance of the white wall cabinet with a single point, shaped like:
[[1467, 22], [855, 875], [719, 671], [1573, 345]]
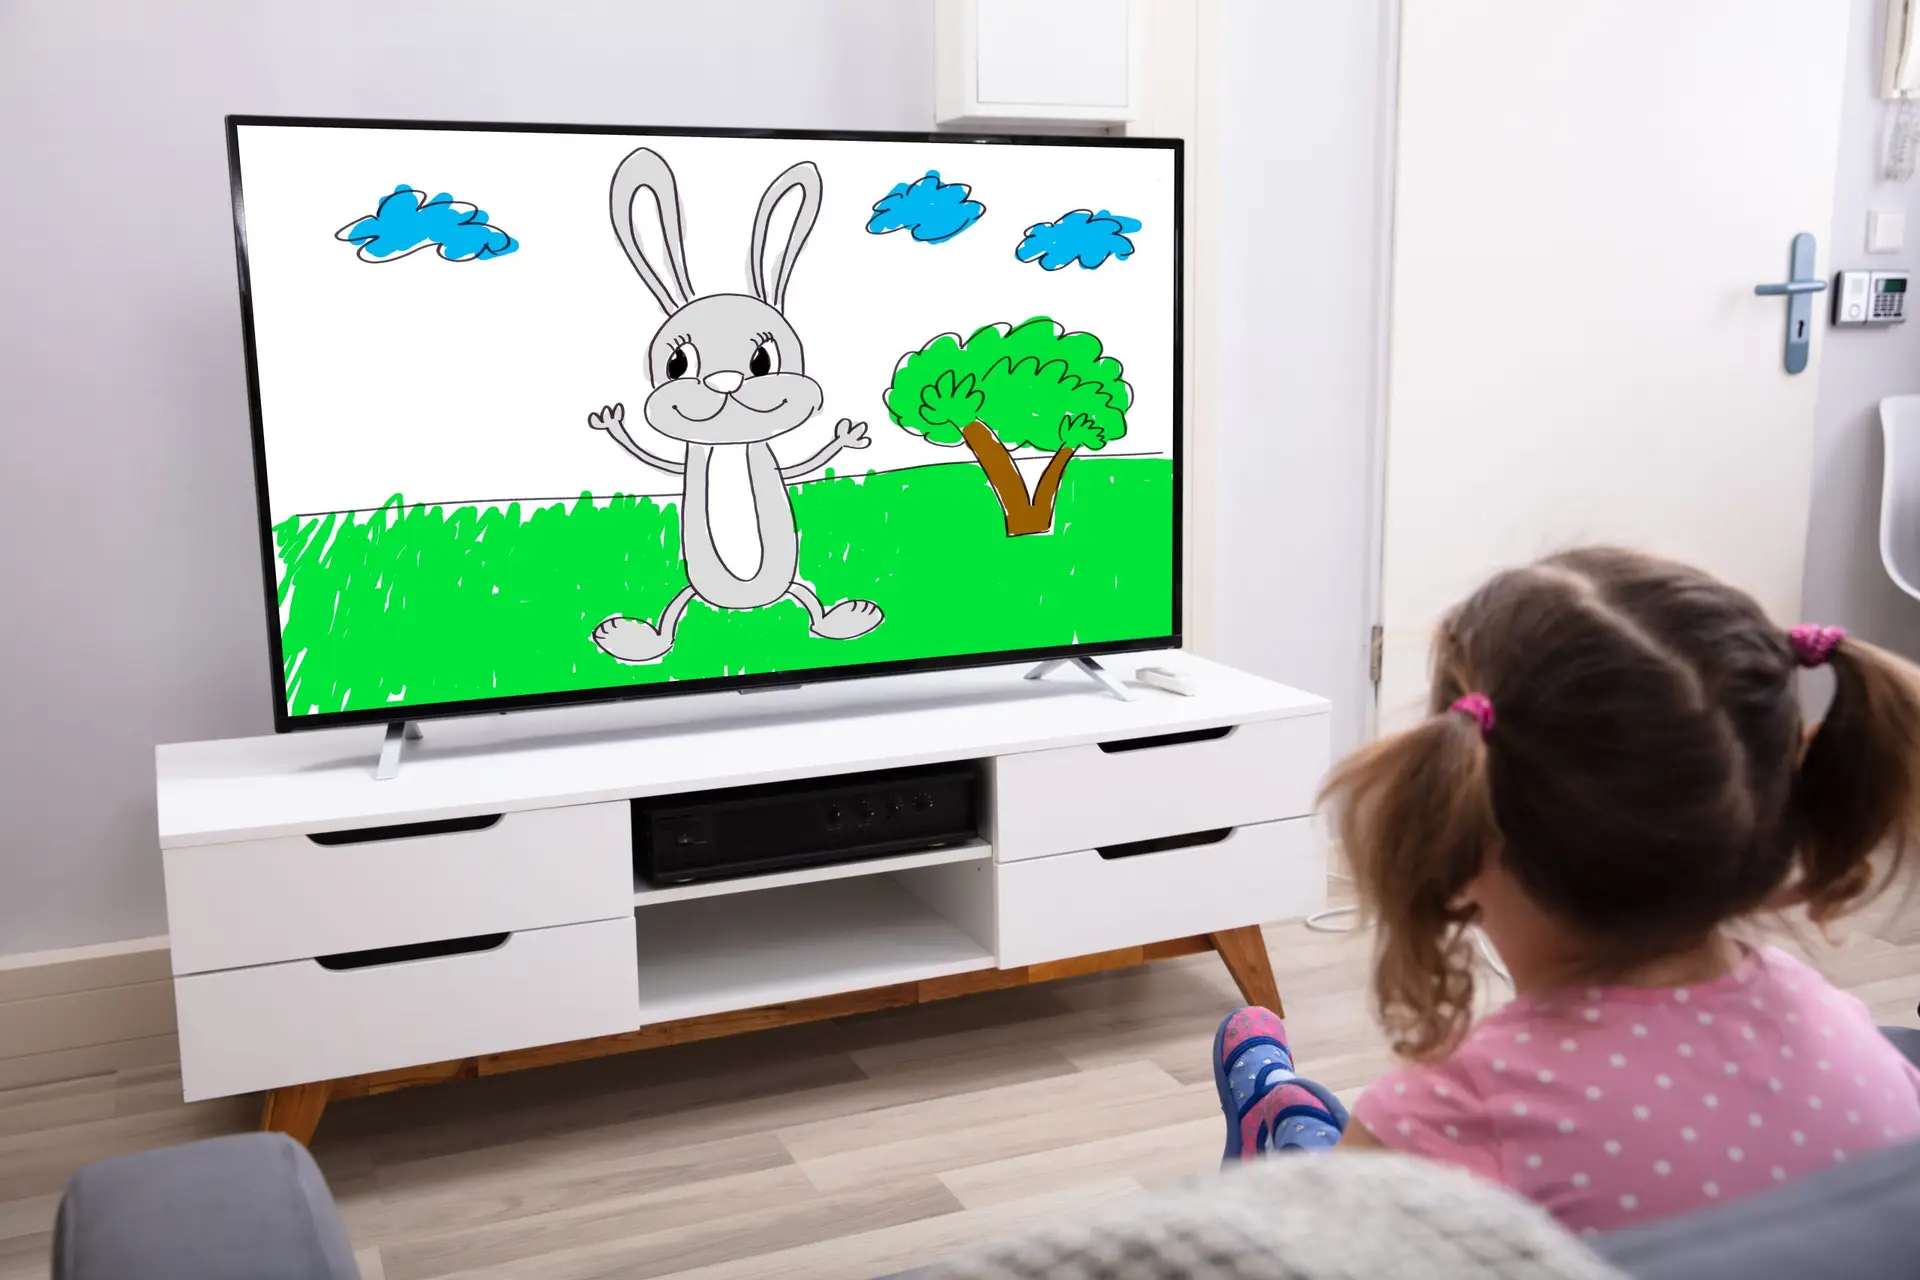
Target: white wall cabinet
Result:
[[1040, 62]]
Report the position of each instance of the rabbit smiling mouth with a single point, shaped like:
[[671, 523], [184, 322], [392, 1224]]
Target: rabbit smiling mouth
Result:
[[723, 408]]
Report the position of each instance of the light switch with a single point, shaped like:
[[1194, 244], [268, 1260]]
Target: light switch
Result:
[[1886, 231]]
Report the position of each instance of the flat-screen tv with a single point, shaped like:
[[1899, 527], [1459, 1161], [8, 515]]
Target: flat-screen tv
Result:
[[549, 414]]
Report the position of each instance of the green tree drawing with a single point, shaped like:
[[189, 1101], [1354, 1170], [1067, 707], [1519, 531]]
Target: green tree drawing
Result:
[[1026, 386]]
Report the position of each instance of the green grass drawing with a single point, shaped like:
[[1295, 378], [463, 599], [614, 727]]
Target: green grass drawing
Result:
[[421, 604]]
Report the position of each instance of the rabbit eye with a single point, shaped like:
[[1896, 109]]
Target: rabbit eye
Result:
[[684, 361], [765, 359]]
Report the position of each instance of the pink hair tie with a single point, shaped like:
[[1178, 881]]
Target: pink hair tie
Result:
[[1477, 706], [1813, 644]]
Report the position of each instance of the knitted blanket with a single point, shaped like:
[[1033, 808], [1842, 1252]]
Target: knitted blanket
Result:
[[1365, 1216]]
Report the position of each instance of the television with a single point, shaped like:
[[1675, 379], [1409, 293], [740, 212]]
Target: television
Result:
[[551, 414]]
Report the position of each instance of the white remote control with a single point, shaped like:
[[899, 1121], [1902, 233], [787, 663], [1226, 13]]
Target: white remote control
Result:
[[1161, 678]]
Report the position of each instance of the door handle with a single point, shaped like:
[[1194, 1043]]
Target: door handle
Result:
[[1798, 289]]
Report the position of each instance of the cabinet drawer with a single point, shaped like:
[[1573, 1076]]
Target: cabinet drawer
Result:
[[1075, 904], [281, 1024], [295, 897], [1048, 802]]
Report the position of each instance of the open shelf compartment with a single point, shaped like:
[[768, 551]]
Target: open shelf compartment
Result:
[[801, 941], [647, 895]]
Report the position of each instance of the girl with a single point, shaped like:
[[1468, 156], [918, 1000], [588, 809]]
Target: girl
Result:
[[1614, 773]]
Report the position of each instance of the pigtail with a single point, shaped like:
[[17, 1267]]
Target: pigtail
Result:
[[1859, 781], [1416, 818]]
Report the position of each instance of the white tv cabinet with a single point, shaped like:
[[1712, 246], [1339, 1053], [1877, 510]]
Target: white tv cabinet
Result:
[[298, 960]]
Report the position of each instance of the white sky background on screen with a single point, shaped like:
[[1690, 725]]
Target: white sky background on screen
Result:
[[460, 381]]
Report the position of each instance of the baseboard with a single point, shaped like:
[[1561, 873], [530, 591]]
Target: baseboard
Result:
[[85, 1011]]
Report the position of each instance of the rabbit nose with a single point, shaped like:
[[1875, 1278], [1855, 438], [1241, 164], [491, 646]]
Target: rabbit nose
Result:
[[725, 381]]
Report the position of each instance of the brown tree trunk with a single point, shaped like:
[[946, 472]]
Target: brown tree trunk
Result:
[[1024, 514], [1048, 489]]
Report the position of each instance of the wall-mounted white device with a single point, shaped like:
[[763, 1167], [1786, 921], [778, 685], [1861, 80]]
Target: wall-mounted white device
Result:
[[1041, 62], [1900, 83], [1869, 297], [1886, 231], [1900, 59]]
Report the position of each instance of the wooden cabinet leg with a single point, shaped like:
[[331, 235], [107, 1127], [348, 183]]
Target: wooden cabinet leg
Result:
[[1245, 952], [296, 1110]]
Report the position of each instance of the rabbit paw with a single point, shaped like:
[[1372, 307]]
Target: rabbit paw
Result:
[[850, 434], [848, 619], [631, 640], [613, 415]]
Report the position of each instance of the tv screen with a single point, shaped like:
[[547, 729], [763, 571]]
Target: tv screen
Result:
[[559, 414]]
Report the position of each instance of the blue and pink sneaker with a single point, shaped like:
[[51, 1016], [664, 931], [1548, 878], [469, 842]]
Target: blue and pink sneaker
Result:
[[1269, 1108]]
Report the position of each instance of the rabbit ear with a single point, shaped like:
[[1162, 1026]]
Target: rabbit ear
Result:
[[806, 177], [644, 169]]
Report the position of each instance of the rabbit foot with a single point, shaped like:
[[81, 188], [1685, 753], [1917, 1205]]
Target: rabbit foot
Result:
[[631, 640], [848, 619]]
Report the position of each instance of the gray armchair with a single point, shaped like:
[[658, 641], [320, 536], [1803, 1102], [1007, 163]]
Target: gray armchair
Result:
[[249, 1207]]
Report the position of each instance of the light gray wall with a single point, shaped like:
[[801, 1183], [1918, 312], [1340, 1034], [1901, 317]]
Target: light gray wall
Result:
[[1845, 585], [130, 607], [1295, 360]]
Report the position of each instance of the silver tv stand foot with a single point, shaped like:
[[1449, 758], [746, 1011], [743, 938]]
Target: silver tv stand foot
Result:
[[398, 731], [1095, 672]]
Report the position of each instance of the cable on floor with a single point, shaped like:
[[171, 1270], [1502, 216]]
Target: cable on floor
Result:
[[1317, 922]]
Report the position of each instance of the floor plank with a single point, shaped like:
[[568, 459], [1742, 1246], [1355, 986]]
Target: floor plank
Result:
[[1068, 1119], [690, 1209], [889, 1250], [1149, 1157], [27, 1216], [504, 1194], [751, 1231]]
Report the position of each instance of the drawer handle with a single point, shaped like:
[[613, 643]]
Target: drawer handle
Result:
[[1192, 840], [1167, 739], [405, 830], [412, 951]]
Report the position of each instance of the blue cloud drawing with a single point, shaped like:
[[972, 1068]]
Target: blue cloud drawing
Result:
[[407, 222], [934, 211], [1087, 238]]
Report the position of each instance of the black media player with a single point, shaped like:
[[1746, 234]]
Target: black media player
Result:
[[778, 826]]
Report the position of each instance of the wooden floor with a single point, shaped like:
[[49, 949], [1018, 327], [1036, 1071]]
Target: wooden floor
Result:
[[844, 1149]]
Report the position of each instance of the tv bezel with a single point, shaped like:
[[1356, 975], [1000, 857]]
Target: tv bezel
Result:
[[285, 722]]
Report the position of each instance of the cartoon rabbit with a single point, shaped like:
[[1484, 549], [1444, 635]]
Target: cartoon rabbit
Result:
[[729, 376]]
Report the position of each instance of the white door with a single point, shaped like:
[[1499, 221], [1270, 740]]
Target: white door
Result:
[[1587, 192]]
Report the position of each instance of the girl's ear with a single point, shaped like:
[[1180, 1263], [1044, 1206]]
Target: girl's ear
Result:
[[1479, 887], [645, 171], [771, 287]]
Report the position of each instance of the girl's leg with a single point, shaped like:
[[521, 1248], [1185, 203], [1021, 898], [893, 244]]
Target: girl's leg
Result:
[[1268, 1108]]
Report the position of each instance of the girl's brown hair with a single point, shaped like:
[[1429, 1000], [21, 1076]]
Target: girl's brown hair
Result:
[[1647, 778]]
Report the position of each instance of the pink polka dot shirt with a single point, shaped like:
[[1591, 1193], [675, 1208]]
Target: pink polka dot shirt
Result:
[[1616, 1106]]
